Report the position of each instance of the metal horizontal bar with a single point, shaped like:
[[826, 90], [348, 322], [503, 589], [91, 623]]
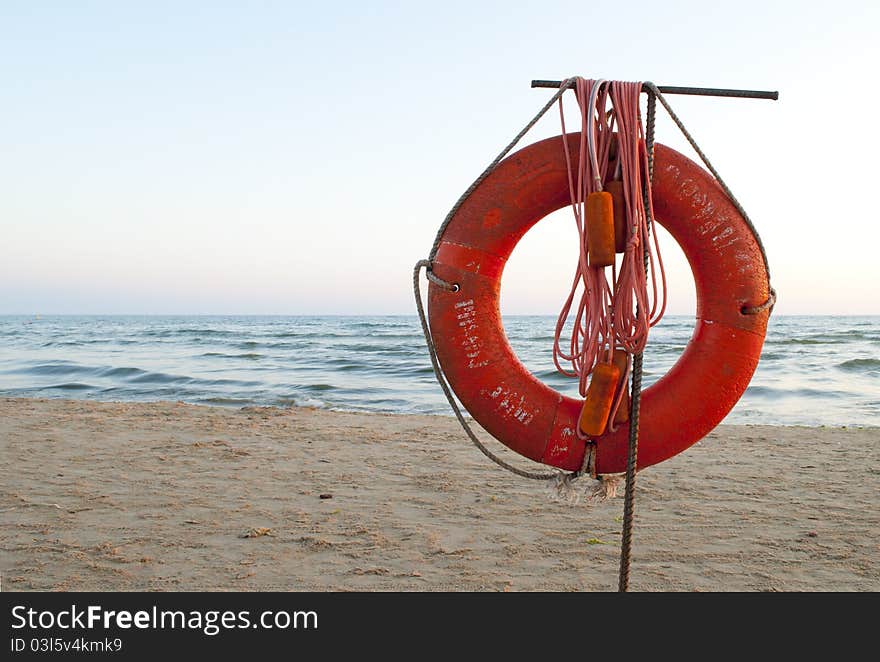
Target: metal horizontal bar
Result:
[[698, 91]]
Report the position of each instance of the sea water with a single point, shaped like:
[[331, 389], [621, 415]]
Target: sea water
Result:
[[813, 370]]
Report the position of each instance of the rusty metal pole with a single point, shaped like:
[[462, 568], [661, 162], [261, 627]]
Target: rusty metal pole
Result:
[[696, 91]]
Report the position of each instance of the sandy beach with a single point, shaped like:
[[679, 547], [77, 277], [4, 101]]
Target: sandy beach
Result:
[[170, 496]]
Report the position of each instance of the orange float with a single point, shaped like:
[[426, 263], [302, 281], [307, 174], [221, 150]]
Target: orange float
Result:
[[535, 420], [599, 399], [599, 220]]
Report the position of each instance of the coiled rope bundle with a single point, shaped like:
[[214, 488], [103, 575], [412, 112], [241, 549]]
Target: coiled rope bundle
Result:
[[612, 153]]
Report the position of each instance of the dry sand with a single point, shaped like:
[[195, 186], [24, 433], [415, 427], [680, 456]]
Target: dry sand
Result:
[[159, 496]]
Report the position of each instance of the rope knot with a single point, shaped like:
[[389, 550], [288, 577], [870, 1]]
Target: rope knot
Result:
[[563, 488], [439, 282], [768, 304]]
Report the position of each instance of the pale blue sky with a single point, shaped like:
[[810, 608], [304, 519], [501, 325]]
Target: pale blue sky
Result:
[[284, 157]]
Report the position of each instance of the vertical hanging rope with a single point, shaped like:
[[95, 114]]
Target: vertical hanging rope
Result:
[[636, 394]]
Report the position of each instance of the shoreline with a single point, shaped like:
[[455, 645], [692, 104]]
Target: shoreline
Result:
[[112, 496], [237, 406]]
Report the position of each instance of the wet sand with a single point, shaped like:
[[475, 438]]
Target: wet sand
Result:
[[169, 496]]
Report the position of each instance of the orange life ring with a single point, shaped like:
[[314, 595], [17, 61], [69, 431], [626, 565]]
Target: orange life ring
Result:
[[537, 421]]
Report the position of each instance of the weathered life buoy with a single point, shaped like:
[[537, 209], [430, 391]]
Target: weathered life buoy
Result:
[[537, 421]]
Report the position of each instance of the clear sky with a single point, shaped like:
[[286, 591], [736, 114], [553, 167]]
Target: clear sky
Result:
[[297, 158]]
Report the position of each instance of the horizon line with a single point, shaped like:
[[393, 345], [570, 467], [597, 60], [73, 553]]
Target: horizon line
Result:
[[410, 314]]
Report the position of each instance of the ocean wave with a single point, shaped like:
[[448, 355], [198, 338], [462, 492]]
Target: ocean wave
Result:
[[226, 402], [248, 355], [70, 386], [780, 337], [159, 378], [772, 356], [297, 401], [319, 387], [223, 382], [58, 368], [803, 392], [418, 370], [860, 365], [816, 340], [84, 342], [122, 372], [202, 331], [372, 348]]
